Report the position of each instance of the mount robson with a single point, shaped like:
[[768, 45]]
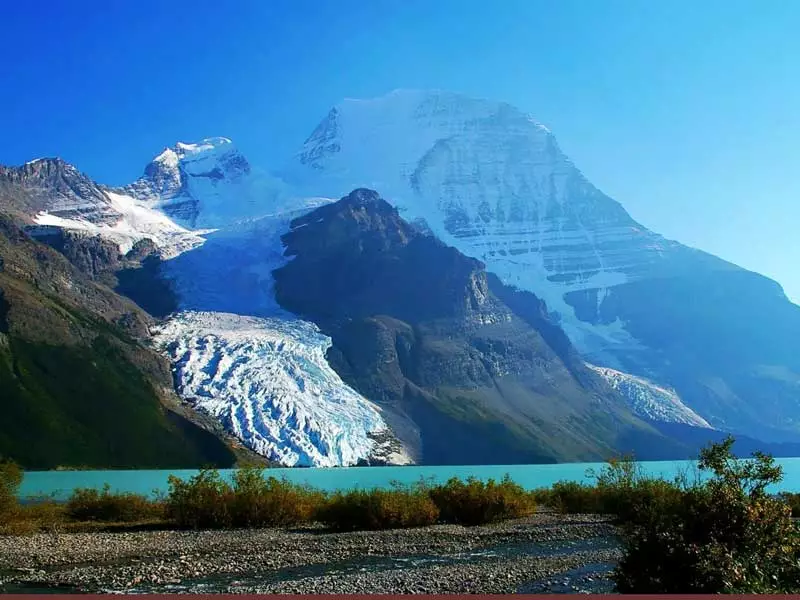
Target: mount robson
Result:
[[428, 280]]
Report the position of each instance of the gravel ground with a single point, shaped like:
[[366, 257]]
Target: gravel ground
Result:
[[545, 552]]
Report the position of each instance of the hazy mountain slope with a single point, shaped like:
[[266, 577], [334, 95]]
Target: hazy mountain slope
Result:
[[490, 181], [416, 328]]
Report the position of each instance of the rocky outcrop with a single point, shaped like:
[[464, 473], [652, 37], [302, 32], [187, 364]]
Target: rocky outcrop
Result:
[[56, 186], [91, 254]]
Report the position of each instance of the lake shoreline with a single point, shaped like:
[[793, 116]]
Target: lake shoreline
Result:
[[534, 553]]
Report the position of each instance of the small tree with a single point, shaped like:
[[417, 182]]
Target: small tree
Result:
[[724, 535]]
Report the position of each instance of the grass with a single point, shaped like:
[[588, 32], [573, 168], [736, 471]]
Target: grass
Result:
[[91, 405]]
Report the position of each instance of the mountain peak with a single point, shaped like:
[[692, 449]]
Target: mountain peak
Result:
[[176, 178], [359, 138], [183, 151]]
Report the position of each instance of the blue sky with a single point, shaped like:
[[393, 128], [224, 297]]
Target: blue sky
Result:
[[686, 112]]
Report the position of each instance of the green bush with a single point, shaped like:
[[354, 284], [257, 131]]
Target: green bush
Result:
[[724, 535], [575, 498], [10, 480], [206, 501], [202, 502], [379, 509], [94, 505], [260, 502], [621, 489], [474, 502], [792, 500]]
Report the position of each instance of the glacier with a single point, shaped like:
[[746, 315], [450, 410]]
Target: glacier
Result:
[[650, 400], [236, 355], [268, 382], [258, 369]]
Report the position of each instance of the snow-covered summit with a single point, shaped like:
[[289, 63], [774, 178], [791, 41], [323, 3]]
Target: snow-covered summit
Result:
[[490, 180], [200, 184]]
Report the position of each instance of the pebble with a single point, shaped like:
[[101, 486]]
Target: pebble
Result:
[[259, 561]]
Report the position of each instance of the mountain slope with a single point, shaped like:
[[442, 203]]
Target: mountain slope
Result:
[[417, 329], [488, 180], [74, 376]]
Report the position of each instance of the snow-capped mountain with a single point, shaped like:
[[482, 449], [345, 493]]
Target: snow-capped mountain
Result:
[[204, 185], [57, 195], [489, 180], [686, 337], [237, 356]]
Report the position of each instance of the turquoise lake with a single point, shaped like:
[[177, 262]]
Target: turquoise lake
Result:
[[59, 484]]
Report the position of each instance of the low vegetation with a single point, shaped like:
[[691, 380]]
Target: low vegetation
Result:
[[206, 501], [718, 532], [103, 505], [399, 507], [724, 535], [475, 502]]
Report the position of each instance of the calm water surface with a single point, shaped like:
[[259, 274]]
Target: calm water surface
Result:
[[60, 484]]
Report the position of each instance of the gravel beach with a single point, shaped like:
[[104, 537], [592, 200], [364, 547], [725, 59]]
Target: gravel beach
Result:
[[543, 553]]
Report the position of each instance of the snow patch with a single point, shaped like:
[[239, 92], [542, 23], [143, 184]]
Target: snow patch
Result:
[[136, 222]]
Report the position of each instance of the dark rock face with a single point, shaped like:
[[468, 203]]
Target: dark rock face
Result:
[[91, 254], [56, 186], [390, 271], [422, 330]]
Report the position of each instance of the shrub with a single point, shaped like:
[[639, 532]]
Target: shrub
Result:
[[202, 502], [93, 505], [207, 502], [723, 535], [792, 500], [379, 509], [260, 502], [575, 498], [621, 489], [474, 502], [10, 480], [37, 514]]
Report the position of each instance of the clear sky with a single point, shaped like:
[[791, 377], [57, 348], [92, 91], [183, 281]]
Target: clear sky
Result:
[[687, 112]]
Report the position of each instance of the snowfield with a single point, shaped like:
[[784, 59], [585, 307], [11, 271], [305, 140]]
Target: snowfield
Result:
[[136, 222]]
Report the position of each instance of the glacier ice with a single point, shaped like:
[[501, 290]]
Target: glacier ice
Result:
[[268, 382], [650, 400]]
